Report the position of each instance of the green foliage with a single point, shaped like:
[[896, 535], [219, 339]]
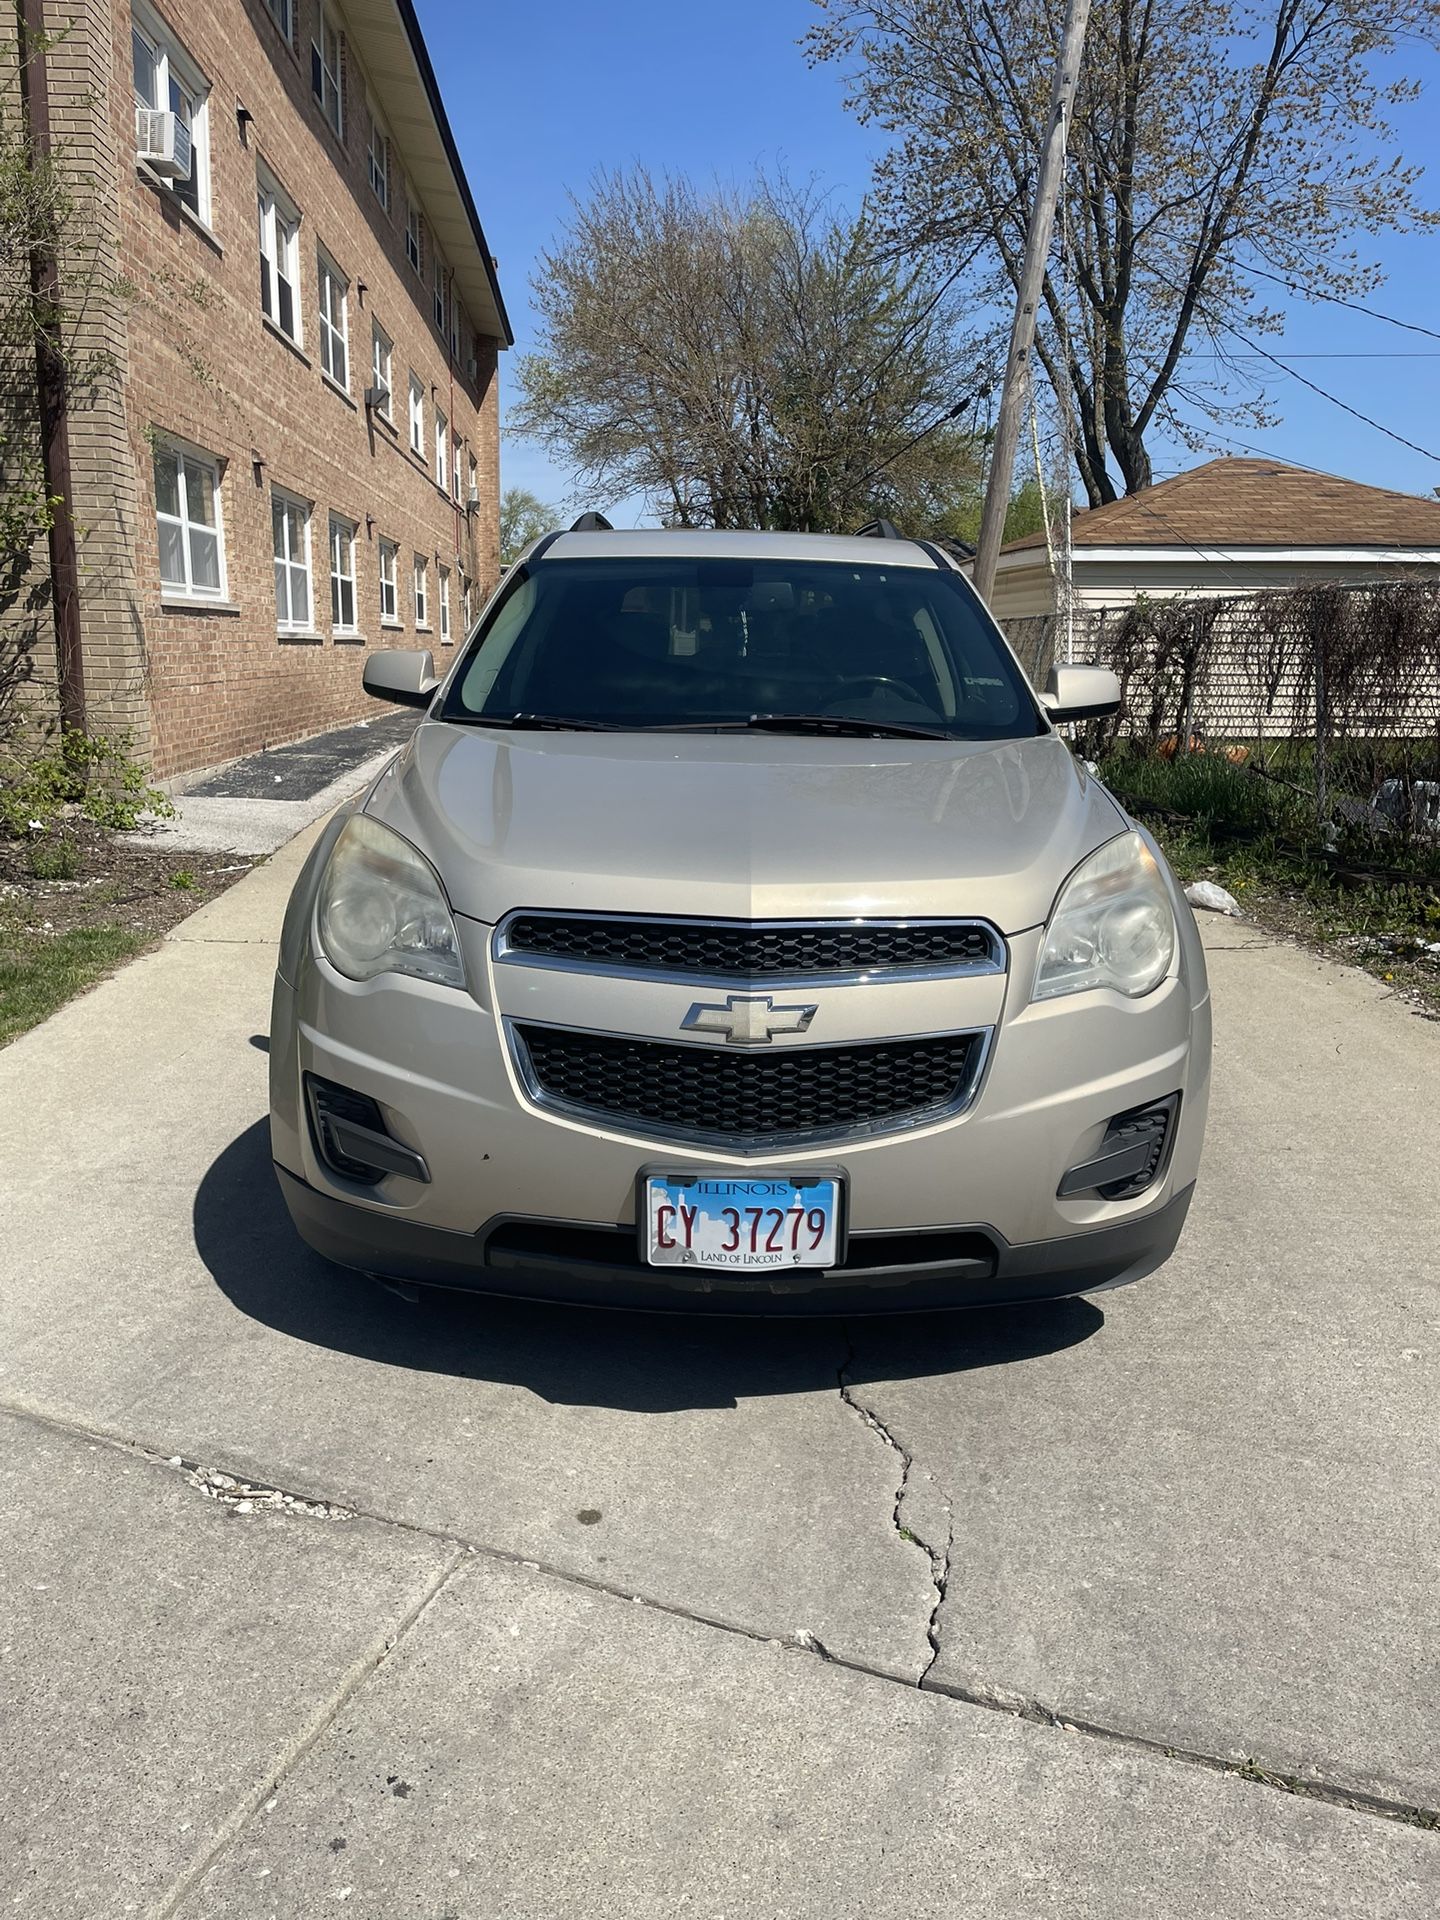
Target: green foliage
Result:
[[53, 860], [40, 972], [524, 516], [183, 880], [92, 773]]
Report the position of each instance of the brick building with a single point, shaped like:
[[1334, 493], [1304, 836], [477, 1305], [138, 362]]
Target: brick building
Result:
[[298, 458]]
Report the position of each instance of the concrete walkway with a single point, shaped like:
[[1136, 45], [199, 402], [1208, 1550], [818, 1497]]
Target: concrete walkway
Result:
[[475, 1610]]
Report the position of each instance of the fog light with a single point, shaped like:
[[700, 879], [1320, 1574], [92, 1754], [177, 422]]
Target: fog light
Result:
[[350, 1136], [1132, 1155]]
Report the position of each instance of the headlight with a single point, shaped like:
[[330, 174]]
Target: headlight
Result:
[[1112, 925], [381, 909]]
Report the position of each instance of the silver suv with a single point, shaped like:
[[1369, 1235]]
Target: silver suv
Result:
[[736, 930]]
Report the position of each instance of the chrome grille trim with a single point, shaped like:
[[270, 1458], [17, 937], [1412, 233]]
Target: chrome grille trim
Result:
[[509, 949], [799, 1139]]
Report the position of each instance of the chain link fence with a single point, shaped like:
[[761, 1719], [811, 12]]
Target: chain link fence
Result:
[[1331, 691]]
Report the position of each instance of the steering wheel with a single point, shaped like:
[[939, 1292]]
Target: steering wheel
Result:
[[883, 680]]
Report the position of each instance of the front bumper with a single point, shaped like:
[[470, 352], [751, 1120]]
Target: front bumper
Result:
[[556, 1260]]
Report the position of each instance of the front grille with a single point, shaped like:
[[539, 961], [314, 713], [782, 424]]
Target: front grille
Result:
[[751, 1099], [754, 950]]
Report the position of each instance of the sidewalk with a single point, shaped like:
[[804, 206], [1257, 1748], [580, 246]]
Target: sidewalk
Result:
[[535, 1614]]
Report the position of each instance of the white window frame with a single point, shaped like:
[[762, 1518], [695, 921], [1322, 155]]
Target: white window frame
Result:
[[327, 81], [467, 603], [282, 12], [382, 367], [285, 622], [420, 583], [440, 288], [333, 287], [443, 592], [457, 448], [414, 231], [280, 252], [176, 73], [342, 547], [377, 156], [188, 459], [442, 451], [472, 479], [389, 582], [417, 415]]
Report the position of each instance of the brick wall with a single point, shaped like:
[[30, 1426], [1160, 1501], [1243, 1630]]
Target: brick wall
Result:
[[200, 684]]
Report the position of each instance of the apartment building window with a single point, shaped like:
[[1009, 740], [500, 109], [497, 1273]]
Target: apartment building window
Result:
[[334, 321], [282, 12], [414, 230], [168, 81], [290, 525], [467, 592], [377, 159], [325, 66], [457, 448], [342, 575], [422, 591], [439, 288], [442, 451], [444, 606], [417, 417], [389, 589], [279, 258], [382, 349], [472, 491], [187, 519]]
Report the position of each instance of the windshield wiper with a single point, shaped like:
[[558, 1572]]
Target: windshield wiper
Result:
[[841, 723], [536, 722]]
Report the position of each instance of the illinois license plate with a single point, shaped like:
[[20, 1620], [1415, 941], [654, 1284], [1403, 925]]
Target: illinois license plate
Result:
[[739, 1221]]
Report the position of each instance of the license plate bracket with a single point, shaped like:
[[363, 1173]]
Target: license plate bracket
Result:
[[741, 1223]]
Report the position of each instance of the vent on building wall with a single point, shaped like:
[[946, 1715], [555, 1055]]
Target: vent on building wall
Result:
[[162, 141]]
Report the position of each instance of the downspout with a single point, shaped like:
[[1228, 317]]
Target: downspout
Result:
[[50, 381], [455, 472]]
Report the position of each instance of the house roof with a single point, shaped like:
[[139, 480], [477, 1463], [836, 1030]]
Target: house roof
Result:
[[393, 53], [1233, 503]]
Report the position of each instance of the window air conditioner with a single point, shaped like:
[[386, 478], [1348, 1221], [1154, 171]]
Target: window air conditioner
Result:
[[472, 367], [378, 397], [472, 498], [162, 141]]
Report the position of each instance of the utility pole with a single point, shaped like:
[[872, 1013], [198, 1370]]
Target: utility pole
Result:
[[1032, 279]]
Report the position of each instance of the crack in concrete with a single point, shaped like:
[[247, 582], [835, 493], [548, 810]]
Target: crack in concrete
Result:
[[241, 1496], [994, 1699], [938, 1558]]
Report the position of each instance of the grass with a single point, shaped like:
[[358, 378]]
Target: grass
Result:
[[1257, 837], [40, 972]]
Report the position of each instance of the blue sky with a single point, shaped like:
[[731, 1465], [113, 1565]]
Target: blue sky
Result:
[[541, 97]]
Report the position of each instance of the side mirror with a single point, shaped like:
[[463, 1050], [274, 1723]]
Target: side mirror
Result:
[[1080, 693], [405, 675]]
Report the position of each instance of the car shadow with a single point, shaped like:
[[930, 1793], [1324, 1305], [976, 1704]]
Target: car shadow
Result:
[[581, 1356]]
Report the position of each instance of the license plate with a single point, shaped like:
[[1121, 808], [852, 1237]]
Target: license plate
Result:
[[725, 1220]]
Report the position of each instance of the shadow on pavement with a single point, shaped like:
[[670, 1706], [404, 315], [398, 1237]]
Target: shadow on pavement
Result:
[[638, 1362]]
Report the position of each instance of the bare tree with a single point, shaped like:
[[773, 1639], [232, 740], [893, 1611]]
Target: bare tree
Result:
[[743, 359], [1215, 148]]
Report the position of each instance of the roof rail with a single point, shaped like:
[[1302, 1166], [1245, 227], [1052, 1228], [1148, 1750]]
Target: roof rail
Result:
[[879, 530], [592, 523]]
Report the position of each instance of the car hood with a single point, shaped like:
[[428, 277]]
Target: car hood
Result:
[[752, 826]]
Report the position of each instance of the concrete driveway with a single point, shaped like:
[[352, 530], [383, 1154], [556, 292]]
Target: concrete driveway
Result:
[[471, 1610]]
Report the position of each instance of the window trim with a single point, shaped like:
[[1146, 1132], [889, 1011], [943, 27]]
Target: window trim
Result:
[[420, 590], [417, 415], [174, 63], [326, 269], [167, 445], [442, 594], [348, 530], [284, 14], [390, 549], [382, 368], [282, 215], [440, 295], [382, 171], [442, 451], [306, 509], [457, 448], [414, 232], [325, 23]]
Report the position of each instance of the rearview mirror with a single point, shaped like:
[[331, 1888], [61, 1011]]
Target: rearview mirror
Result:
[[405, 675], [1080, 693]]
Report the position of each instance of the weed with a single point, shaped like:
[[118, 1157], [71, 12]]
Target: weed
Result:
[[183, 879], [92, 773], [53, 860]]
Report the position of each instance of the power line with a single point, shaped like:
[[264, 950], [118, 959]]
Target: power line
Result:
[[1334, 399], [1335, 300]]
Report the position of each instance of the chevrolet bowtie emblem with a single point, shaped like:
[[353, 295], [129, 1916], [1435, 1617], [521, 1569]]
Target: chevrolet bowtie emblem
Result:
[[747, 1019]]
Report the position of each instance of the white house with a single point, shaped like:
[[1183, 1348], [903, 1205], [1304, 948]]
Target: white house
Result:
[[1231, 526]]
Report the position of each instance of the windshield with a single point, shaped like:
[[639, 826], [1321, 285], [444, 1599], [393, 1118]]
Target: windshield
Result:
[[695, 642]]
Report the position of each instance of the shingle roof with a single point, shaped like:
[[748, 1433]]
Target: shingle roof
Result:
[[1256, 503]]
